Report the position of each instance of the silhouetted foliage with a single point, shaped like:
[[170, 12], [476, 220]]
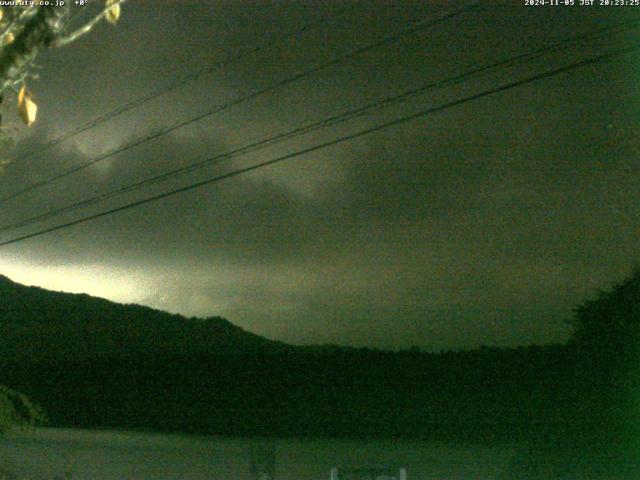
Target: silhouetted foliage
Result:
[[17, 410], [94, 363], [598, 407], [607, 348], [611, 322]]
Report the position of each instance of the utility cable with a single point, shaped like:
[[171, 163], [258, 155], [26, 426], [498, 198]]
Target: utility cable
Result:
[[346, 138]]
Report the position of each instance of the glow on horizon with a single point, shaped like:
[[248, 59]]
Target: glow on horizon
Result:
[[96, 280], [154, 288]]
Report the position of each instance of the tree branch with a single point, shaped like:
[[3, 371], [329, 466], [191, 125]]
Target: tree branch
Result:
[[40, 31], [86, 28], [22, 17]]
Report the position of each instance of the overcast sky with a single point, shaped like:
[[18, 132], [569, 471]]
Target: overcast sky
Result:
[[481, 224]]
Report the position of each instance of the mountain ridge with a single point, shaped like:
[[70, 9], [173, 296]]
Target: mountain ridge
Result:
[[41, 323]]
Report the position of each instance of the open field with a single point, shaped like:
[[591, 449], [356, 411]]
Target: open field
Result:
[[126, 455]]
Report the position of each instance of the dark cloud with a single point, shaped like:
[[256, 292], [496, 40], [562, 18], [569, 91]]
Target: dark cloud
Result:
[[482, 224]]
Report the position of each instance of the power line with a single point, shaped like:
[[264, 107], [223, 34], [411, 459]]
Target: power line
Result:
[[332, 120], [280, 83], [179, 83], [346, 138]]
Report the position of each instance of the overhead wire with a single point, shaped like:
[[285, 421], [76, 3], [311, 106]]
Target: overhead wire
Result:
[[397, 121], [330, 121], [180, 83], [421, 25]]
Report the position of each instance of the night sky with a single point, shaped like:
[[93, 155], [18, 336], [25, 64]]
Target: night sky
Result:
[[483, 224]]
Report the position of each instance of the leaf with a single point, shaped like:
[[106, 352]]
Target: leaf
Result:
[[9, 38], [113, 14], [27, 109]]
